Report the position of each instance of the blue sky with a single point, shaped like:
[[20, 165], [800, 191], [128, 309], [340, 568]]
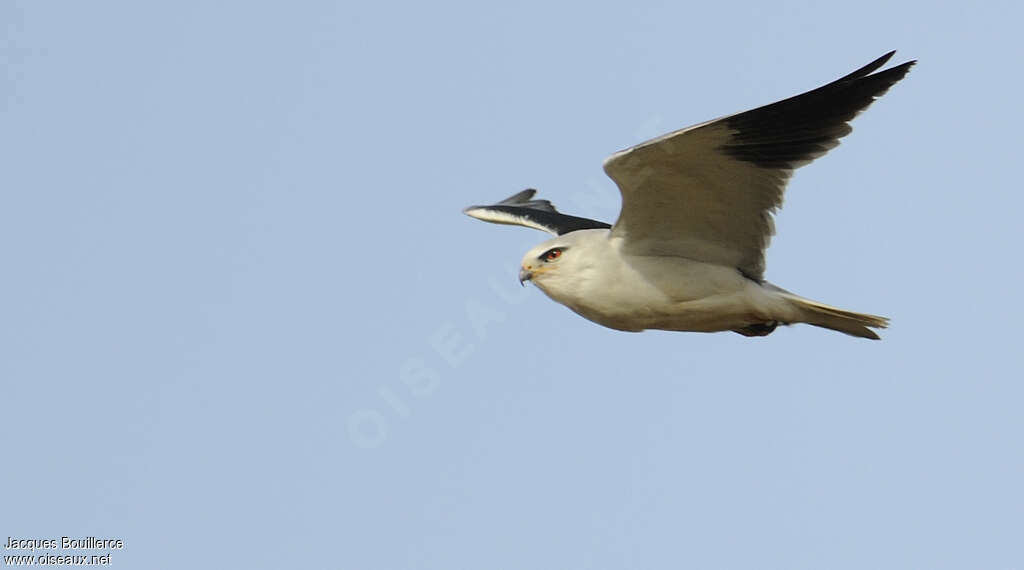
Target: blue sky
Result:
[[246, 325]]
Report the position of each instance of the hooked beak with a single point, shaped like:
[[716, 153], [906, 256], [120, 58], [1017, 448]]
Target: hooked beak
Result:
[[524, 276]]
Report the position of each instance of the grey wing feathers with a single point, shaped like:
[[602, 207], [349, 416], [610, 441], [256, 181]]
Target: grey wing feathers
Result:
[[525, 199], [522, 210], [707, 192]]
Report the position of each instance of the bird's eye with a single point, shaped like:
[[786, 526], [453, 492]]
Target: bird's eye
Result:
[[552, 254]]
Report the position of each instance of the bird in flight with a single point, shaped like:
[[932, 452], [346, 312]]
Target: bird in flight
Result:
[[687, 252]]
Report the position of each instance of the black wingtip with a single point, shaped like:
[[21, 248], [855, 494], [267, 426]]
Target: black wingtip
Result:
[[520, 197], [795, 131], [867, 68], [903, 68]]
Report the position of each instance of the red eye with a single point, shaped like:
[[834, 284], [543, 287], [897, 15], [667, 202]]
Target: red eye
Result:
[[552, 255]]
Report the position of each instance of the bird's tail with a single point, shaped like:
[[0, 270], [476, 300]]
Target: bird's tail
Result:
[[849, 322]]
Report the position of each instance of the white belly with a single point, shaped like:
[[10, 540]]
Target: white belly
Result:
[[667, 293]]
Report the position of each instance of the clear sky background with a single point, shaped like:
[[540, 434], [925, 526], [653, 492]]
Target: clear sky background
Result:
[[244, 323]]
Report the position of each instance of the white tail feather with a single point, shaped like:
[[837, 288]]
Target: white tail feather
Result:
[[829, 317]]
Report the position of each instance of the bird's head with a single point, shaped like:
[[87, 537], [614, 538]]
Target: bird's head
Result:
[[559, 264]]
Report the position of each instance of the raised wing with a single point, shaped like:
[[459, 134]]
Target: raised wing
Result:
[[707, 192], [521, 210]]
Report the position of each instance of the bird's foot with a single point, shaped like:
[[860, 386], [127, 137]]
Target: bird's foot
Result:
[[758, 329]]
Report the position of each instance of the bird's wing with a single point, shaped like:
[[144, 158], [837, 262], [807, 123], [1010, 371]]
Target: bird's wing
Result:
[[707, 192], [522, 210]]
